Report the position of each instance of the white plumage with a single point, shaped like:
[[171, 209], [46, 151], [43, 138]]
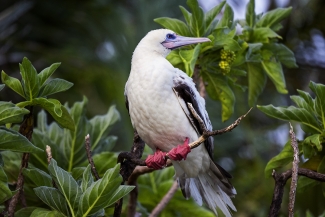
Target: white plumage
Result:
[[163, 120]]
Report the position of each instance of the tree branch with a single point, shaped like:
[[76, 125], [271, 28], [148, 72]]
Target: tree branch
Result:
[[26, 129], [165, 200], [90, 159], [295, 167]]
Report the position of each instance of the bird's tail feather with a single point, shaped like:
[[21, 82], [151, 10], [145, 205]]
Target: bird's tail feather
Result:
[[211, 188]]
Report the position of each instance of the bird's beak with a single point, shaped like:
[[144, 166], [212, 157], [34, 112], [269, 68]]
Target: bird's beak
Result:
[[180, 41]]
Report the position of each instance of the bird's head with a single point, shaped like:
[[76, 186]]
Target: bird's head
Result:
[[163, 41]]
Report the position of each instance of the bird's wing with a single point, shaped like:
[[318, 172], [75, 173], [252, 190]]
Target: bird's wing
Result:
[[186, 92]]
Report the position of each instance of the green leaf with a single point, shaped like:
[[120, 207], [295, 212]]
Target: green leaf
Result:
[[10, 113], [283, 54], [301, 103], [274, 70], [292, 113], [11, 165], [211, 14], [187, 15], [250, 13], [77, 172], [46, 73], [218, 89], [66, 185], [2, 86], [103, 193], [45, 213], [227, 18], [14, 141], [273, 17], [54, 86], [57, 111], [104, 161], [25, 212], [305, 183], [12, 83], [174, 58], [321, 167], [29, 79], [189, 58], [175, 25], [197, 22], [314, 140], [319, 90], [87, 179], [4, 188], [262, 35], [38, 177], [53, 198], [279, 161], [101, 123], [256, 82], [251, 55]]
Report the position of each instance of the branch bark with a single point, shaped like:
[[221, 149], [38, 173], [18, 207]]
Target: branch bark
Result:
[[26, 129], [165, 200], [90, 159]]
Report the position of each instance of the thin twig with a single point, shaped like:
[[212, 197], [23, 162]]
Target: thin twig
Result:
[[280, 181], [206, 134], [26, 129], [90, 159], [295, 167], [48, 153], [165, 200]]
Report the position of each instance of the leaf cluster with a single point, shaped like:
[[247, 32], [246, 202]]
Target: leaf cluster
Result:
[[257, 52], [310, 113]]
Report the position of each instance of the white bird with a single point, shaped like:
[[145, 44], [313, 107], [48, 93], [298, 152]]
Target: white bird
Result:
[[156, 96]]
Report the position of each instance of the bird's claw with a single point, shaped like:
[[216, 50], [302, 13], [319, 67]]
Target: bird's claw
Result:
[[180, 152], [157, 161]]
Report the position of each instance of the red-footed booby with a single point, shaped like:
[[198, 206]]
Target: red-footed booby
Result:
[[156, 96]]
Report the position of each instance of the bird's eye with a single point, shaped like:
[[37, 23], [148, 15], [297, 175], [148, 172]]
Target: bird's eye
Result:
[[170, 36]]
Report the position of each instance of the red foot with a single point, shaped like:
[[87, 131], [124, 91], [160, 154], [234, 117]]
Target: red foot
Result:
[[180, 152], [157, 161]]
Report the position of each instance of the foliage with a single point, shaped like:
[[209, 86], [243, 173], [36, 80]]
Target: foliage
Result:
[[310, 113], [255, 53], [66, 188]]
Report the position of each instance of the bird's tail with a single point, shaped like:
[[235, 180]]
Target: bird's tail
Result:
[[211, 187]]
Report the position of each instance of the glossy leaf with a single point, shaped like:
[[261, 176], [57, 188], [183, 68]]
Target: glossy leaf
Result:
[[11, 165], [174, 58], [227, 18], [283, 54], [321, 167], [67, 186], [314, 140], [263, 35], [197, 22], [280, 160], [53, 198], [25, 212], [189, 58], [211, 14], [301, 103], [45, 213], [57, 111], [10, 113], [175, 25], [12, 83], [292, 113], [101, 123], [54, 86], [87, 178], [187, 15], [103, 192], [250, 13], [218, 89], [46, 73], [305, 183], [4, 188], [274, 71], [256, 82], [30, 79], [271, 18], [14, 141], [319, 90], [38, 177], [104, 161]]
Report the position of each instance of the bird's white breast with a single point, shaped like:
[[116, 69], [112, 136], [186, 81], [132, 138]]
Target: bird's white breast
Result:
[[154, 109]]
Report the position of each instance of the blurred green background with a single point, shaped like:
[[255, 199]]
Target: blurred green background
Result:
[[94, 41]]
